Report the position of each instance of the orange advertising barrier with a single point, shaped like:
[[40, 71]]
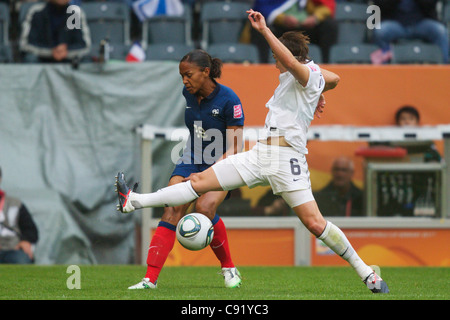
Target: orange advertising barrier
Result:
[[258, 247], [390, 247], [365, 96], [275, 247]]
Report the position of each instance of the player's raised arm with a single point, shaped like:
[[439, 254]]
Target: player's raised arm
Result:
[[282, 54]]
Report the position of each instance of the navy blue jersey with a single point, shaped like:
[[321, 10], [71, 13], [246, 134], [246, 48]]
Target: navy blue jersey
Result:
[[207, 123]]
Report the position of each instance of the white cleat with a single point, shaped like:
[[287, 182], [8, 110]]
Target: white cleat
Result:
[[144, 284], [232, 277]]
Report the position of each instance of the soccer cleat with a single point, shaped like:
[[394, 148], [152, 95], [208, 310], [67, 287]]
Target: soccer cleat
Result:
[[376, 284], [123, 193], [232, 277], [144, 284]]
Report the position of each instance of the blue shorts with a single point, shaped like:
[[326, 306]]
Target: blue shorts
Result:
[[185, 170]]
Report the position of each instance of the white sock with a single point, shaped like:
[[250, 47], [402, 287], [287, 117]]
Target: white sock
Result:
[[336, 240], [171, 196]]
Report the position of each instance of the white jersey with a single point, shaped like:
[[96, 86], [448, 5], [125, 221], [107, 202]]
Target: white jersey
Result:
[[292, 107]]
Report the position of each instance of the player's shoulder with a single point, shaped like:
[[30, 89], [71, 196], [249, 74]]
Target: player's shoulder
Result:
[[227, 91], [313, 66], [228, 94]]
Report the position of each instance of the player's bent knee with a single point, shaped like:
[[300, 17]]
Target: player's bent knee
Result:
[[205, 181], [173, 214]]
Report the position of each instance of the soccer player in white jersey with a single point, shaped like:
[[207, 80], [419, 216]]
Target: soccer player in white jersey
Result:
[[278, 159]]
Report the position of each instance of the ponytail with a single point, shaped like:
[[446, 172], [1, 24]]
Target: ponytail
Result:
[[202, 59]]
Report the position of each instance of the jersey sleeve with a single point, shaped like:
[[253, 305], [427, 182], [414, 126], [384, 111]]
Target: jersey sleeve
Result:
[[234, 113], [316, 82]]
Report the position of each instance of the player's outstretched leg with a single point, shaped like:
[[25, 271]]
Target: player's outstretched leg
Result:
[[171, 196], [308, 212], [336, 240]]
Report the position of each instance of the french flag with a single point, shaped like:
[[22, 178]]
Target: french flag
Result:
[[136, 53]]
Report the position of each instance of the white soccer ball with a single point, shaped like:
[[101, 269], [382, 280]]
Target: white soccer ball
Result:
[[195, 231]]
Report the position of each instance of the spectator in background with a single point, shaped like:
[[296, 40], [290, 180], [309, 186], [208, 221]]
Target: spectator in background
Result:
[[314, 17], [271, 205], [46, 38], [408, 19], [409, 116], [18, 233], [341, 197]]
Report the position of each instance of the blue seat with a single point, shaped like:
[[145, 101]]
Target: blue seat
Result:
[[352, 53], [4, 23], [446, 15], [234, 52], [168, 29], [5, 53], [416, 53], [351, 19], [108, 20], [222, 22], [167, 51], [315, 53]]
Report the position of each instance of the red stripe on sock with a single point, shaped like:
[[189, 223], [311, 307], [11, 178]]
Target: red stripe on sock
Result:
[[219, 245], [162, 243]]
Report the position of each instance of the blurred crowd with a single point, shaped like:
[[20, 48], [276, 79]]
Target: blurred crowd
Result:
[[340, 31]]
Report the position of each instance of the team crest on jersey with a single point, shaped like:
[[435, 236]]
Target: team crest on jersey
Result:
[[237, 111], [215, 112]]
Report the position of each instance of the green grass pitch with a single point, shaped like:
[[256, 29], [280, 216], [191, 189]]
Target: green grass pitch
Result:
[[110, 282]]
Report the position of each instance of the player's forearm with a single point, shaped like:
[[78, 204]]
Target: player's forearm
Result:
[[282, 53], [331, 79]]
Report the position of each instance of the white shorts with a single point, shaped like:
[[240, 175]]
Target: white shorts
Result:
[[283, 168]]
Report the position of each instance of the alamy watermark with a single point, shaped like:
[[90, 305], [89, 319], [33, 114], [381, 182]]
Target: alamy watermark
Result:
[[74, 280], [74, 20], [374, 20]]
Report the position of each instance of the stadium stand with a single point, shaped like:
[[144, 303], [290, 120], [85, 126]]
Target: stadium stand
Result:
[[168, 29], [351, 18], [4, 23], [167, 51], [208, 22], [5, 54], [108, 20], [352, 53], [234, 52], [416, 53], [222, 22]]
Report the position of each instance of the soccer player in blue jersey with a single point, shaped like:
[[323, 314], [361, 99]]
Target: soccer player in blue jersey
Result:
[[215, 119]]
